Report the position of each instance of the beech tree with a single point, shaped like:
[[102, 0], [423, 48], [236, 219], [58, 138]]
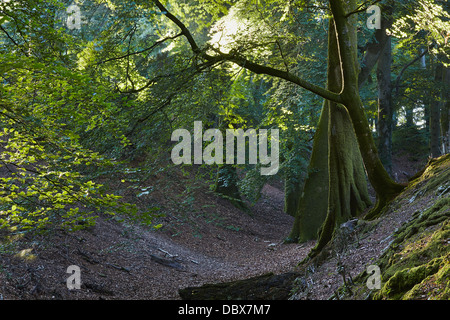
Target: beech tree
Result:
[[142, 56], [343, 140]]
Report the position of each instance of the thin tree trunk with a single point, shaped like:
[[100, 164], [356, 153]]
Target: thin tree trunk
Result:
[[226, 186], [292, 194], [385, 112], [445, 111], [375, 47], [435, 127], [409, 115]]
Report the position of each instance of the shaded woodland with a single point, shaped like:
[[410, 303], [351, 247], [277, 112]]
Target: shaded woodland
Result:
[[92, 92]]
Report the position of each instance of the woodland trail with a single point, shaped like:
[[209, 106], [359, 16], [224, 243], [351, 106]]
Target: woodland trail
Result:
[[125, 261]]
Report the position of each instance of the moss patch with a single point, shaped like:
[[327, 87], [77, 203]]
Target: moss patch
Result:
[[403, 283], [419, 258], [416, 265]]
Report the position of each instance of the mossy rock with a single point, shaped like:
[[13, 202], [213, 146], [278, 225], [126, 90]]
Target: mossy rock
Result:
[[435, 286], [417, 264], [403, 280]]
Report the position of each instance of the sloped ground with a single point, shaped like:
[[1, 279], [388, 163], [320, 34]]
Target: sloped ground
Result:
[[417, 265], [409, 244], [206, 240], [214, 242]]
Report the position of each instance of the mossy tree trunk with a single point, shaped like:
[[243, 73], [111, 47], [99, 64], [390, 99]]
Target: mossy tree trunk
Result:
[[347, 192], [343, 175], [336, 188], [312, 206], [385, 188]]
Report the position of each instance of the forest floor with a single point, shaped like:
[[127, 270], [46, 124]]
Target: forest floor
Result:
[[125, 260], [211, 243]]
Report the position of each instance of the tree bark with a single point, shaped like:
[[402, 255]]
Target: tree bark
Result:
[[312, 207], [336, 170], [384, 186], [435, 127], [385, 110], [347, 192], [445, 111]]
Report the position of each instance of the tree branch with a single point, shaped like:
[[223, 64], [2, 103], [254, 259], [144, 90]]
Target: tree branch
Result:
[[397, 81], [261, 69], [358, 10], [183, 28], [245, 63], [141, 51], [12, 39]]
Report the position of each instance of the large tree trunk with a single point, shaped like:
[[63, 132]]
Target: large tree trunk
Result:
[[336, 171], [347, 191], [312, 207], [380, 180]]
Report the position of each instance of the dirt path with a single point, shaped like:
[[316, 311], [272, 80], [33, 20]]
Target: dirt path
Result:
[[124, 261]]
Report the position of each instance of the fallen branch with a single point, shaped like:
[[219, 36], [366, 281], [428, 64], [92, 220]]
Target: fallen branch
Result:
[[167, 262]]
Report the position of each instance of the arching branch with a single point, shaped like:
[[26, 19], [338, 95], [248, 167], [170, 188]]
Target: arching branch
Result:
[[247, 64]]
